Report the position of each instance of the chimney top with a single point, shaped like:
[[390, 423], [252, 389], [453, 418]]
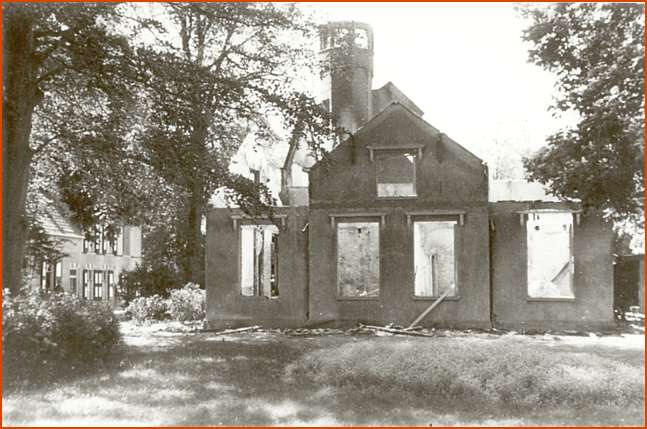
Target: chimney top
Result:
[[359, 35]]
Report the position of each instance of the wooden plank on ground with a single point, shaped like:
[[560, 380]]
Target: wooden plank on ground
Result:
[[428, 310], [396, 331], [239, 330]]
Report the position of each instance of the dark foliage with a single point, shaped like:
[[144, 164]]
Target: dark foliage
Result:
[[148, 280], [597, 52], [54, 336]]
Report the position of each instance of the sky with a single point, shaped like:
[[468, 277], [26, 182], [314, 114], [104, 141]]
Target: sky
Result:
[[464, 64]]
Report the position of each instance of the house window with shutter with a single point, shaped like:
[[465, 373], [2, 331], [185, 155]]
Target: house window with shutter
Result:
[[110, 280], [98, 285], [116, 241], [73, 281], [46, 274], [96, 239], [85, 292], [58, 276], [105, 240], [88, 242]]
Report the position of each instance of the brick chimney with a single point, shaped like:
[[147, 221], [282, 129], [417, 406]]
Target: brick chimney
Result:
[[347, 72]]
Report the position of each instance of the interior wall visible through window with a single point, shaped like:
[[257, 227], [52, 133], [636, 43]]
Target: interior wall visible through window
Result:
[[396, 174], [434, 258], [259, 260], [358, 259], [550, 255]]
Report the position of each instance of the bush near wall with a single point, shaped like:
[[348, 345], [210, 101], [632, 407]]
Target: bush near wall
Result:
[[188, 303], [183, 304], [148, 308], [47, 337]]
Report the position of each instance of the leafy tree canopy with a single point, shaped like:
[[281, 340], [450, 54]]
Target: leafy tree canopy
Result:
[[63, 82], [209, 74], [596, 51]]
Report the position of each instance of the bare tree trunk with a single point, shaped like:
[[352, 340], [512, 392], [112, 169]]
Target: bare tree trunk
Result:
[[195, 242], [21, 95]]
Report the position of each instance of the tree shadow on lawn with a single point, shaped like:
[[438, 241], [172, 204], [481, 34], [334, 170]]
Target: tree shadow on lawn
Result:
[[189, 381], [203, 380]]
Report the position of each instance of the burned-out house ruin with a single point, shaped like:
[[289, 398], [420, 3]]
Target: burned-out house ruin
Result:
[[404, 217]]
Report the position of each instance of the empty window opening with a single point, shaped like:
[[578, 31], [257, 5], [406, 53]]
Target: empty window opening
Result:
[[345, 37], [550, 255], [358, 259], [259, 260], [434, 258], [396, 174]]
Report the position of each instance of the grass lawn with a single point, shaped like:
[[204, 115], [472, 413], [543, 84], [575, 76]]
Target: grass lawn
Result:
[[267, 378]]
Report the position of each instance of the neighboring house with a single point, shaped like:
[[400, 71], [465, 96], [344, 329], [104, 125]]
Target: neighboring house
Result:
[[91, 264], [629, 282], [400, 218]]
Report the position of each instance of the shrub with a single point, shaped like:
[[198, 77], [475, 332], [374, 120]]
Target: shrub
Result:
[[44, 337], [148, 308], [187, 303], [148, 280]]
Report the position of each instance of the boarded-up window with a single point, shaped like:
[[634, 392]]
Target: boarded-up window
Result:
[[550, 255], [358, 259], [396, 174], [259, 262], [434, 258]]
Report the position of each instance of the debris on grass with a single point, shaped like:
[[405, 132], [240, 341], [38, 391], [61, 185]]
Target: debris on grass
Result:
[[634, 316], [237, 331], [396, 331]]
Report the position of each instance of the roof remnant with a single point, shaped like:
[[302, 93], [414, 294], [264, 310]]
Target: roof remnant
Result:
[[519, 190]]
